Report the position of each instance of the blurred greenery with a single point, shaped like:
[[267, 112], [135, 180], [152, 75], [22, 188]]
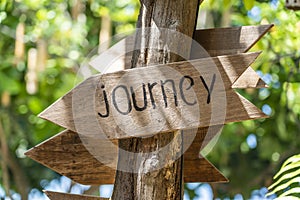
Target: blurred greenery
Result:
[[249, 153], [63, 32], [43, 43]]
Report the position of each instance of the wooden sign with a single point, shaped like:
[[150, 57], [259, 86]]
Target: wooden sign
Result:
[[66, 154], [64, 196], [162, 98], [67, 148], [238, 40], [229, 41]]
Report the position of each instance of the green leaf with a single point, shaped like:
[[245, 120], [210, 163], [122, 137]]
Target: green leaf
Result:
[[292, 159], [3, 4], [284, 186], [291, 191], [287, 168], [284, 177], [9, 84], [248, 4], [285, 198], [227, 3], [35, 105]]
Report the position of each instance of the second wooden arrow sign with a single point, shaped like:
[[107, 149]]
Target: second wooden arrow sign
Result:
[[67, 149]]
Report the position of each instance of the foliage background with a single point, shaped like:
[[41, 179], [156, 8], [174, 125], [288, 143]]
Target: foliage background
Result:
[[43, 42]]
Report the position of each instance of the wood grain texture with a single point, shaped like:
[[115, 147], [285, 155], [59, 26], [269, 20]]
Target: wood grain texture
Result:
[[166, 182], [249, 79], [228, 41], [64, 196], [66, 154], [74, 111], [217, 42], [196, 167]]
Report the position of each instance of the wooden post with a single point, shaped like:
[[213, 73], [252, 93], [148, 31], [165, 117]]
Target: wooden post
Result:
[[166, 183]]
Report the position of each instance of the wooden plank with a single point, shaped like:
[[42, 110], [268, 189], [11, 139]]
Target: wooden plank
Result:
[[196, 167], [249, 79], [67, 155], [229, 41], [64, 196], [78, 109], [204, 169], [217, 42], [232, 40]]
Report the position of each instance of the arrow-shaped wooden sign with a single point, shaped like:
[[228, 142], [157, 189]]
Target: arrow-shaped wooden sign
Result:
[[64, 196], [66, 154], [124, 103], [217, 42], [59, 151], [231, 40]]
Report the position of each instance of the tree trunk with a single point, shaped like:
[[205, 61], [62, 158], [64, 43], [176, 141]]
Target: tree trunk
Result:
[[12, 164], [165, 183], [105, 33]]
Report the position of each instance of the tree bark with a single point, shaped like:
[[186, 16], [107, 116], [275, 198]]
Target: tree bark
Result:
[[105, 33], [4, 163], [165, 183], [12, 164]]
